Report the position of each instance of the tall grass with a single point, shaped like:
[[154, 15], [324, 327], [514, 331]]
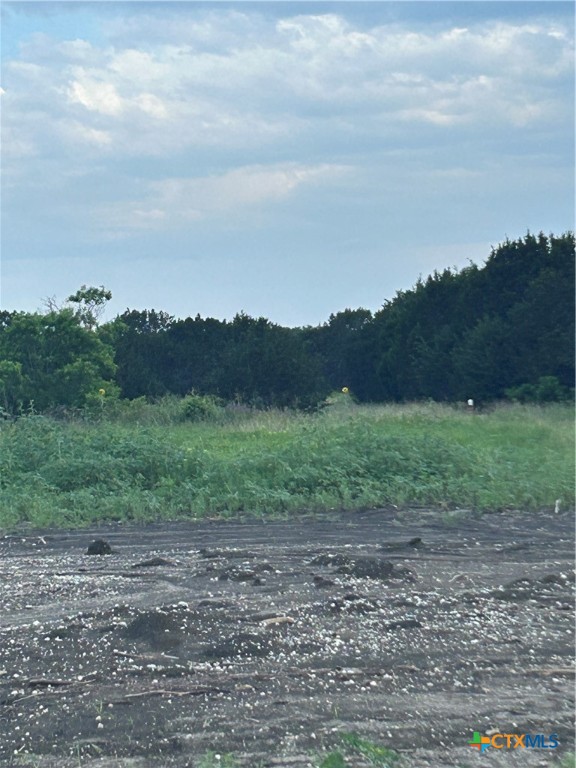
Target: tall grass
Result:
[[280, 463]]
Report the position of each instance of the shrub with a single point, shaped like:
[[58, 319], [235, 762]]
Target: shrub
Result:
[[201, 407], [548, 389]]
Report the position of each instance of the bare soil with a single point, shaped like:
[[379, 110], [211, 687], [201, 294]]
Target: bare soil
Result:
[[270, 640]]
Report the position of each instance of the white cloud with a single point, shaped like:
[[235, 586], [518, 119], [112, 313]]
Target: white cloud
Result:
[[242, 186], [78, 50], [240, 111], [103, 97], [180, 201], [96, 96], [151, 105], [84, 134], [201, 81]]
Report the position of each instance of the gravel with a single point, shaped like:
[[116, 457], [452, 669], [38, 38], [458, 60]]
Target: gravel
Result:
[[270, 640]]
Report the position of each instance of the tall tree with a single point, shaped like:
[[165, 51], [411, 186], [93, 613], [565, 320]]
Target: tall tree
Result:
[[90, 304], [52, 359]]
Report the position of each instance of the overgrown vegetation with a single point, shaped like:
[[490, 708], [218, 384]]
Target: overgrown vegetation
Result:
[[152, 462]]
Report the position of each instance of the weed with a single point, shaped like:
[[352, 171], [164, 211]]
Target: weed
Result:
[[278, 463], [374, 753], [333, 760], [354, 746]]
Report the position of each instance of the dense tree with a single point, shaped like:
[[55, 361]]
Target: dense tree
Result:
[[198, 347], [141, 349], [333, 343], [477, 332], [51, 359], [503, 329], [265, 363]]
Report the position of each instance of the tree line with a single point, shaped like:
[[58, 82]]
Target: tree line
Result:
[[504, 329]]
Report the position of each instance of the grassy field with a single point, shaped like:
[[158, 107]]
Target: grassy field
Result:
[[146, 465]]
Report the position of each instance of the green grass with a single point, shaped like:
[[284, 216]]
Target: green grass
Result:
[[281, 463], [354, 745]]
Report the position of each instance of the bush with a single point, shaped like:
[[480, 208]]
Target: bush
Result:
[[201, 408], [548, 389]]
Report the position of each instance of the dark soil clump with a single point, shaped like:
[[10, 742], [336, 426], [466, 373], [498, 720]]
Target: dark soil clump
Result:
[[99, 547]]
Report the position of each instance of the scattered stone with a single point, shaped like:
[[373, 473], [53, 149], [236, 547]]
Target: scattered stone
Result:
[[263, 616], [559, 578], [558, 671], [175, 666], [237, 574], [42, 682], [153, 562], [367, 567], [331, 559], [99, 547], [414, 543], [158, 629], [353, 604], [210, 554], [277, 620], [404, 602], [214, 602], [322, 582], [241, 644], [245, 574], [362, 565], [404, 624], [526, 588]]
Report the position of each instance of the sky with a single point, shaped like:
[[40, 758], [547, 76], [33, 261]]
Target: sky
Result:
[[285, 159]]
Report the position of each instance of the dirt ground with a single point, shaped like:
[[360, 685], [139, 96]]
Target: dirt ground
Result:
[[269, 640]]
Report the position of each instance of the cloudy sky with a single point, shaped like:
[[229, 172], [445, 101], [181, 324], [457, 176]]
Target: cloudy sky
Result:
[[288, 159]]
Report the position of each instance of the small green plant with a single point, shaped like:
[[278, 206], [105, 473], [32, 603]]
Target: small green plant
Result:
[[374, 753], [333, 760], [354, 746]]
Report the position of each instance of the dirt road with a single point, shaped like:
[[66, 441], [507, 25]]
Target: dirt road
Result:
[[270, 640]]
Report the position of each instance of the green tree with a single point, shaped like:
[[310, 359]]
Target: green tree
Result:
[[12, 386], [477, 332], [266, 364], [142, 352], [90, 304], [50, 360], [334, 342]]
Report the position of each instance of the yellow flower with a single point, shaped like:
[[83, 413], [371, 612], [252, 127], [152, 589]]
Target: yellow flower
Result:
[[102, 392], [345, 390]]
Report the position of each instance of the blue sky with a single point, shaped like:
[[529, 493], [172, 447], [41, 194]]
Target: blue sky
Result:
[[285, 159]]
